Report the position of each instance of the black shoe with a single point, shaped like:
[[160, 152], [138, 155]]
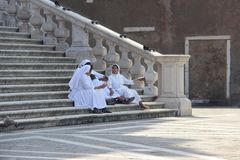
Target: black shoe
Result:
[[104, 110], [118, 101], [111, 101], [128, 100], [97, 111]]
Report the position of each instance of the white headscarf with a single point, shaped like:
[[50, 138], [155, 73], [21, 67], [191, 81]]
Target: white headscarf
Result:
[[118, 69], [118, 80], [73, 83], [83, 63]]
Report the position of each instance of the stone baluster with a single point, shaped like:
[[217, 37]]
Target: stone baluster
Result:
[[171, 84], [150, 77], [12, 12], [125, 63], [48, 27], [80, 48], [112, 57], [3, 13], [99, 52], [23, 15], [137, 70], [36, 21], [62, 33]]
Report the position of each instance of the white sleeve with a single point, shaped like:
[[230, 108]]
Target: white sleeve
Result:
[[109, 82], [127, 81], [98, 75]]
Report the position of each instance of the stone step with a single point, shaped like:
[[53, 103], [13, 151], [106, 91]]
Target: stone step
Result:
[[26, 47], [14, 34], [61, 111], [22, 59], [8, 97], [36, 73], [20, 41], [34, 53], [35, 104], [33, 88], [57, 103], [8, 29], [33, 80], [37, 66], [148, 98], [89, 118]]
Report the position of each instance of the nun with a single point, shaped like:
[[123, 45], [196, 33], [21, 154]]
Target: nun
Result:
[[118, 82], [111, 97], [83, 92]]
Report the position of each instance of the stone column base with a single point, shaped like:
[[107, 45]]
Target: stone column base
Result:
[[183, 105], [80, 53]]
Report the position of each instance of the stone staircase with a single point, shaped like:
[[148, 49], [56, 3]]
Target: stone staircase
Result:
[[33, 87]]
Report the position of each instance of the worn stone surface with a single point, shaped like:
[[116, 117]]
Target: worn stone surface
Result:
[[211, 133]]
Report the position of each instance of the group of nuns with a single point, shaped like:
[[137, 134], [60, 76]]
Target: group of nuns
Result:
[[90, 89]]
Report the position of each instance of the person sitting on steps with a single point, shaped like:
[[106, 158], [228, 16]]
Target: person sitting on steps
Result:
[[118, 82], [84, 93]]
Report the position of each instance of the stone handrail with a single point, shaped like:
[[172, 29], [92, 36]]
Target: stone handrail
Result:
[[39, 16]]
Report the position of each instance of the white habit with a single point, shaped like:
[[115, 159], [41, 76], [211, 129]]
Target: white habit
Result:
[[118, 82], [82, 90]]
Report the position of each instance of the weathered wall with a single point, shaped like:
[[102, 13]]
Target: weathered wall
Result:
[[173, 20], [207, 71]]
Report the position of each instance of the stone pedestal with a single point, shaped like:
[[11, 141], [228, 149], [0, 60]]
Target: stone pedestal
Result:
[[172, 84], [183, 105]]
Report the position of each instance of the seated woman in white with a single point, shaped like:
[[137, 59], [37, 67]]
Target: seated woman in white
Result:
[[117, 82], [99, 79], [83, 92]]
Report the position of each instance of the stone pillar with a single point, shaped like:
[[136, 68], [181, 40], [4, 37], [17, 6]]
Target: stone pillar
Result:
[[62, 33], [36, 21], [48, 27], [80, 48], [23, 15], [3, 13], [111, 58], [150, 77], [12, 12], [125, 63], [99, 52], [137, 71], [172, 84]]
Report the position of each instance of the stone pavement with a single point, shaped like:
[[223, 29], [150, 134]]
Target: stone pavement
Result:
[[211, 134]]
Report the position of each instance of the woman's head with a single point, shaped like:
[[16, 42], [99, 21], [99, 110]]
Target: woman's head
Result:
[[84, 62], [87, 69], [115, 69]]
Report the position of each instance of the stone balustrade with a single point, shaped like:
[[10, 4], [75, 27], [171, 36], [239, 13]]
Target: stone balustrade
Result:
[[164, 74]]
